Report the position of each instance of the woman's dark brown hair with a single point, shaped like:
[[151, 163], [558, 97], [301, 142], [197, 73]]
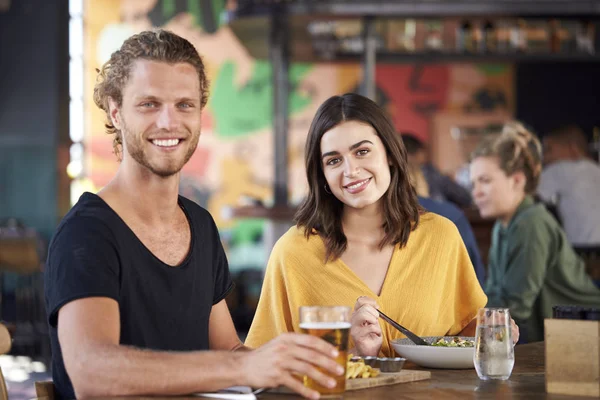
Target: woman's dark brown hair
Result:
[[322, 211], [517, 149]]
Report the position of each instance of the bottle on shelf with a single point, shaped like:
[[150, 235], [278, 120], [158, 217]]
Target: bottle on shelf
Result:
[[433, 36], [520, 36], [584, 37], [465, 41], [489, 41]]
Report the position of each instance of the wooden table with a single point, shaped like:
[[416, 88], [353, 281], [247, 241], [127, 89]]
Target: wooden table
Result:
[[526, 382]]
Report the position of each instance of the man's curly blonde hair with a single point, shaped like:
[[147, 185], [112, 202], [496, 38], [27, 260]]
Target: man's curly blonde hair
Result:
[[155, 45]]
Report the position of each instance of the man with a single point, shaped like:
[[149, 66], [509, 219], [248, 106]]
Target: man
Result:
[[438, 186], [442, 207], [137, 276], [571, 181], [454, 214]]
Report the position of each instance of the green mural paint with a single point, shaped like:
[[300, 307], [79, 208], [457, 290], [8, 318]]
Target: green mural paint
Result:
[[193, 7], [493, 69], [247, 231], [239, 111], [168, 8], [218, 8]]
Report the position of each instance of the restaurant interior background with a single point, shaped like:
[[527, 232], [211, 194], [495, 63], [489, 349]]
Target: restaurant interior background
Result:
[[53, 146]]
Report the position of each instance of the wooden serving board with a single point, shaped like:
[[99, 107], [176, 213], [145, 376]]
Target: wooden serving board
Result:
[[391, 378]]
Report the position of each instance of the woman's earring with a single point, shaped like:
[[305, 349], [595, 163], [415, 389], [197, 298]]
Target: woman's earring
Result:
[[327, 189]]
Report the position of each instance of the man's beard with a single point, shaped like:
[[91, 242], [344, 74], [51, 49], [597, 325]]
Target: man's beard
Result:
[[135, 148]]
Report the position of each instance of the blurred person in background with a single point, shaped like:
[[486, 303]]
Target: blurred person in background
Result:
[[571, 181], [532, 266], [450, 211], [429, 181], [455, 214]]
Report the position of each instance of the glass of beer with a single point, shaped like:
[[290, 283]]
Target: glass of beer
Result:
[[332, 324]]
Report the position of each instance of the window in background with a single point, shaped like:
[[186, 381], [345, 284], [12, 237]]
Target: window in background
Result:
[[75, 169]]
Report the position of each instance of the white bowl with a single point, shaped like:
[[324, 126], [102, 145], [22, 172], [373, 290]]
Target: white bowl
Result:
[[436, 356]]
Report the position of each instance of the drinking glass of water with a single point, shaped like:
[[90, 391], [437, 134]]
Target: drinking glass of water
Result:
[[494, 355]]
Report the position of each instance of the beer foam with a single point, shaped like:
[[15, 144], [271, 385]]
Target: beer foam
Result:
[[325, 325]]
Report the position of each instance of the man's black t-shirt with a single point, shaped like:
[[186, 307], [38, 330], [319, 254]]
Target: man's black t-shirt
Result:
[[95, 254]]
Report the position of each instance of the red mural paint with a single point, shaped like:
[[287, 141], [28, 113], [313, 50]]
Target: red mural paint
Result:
[[198, 163], [414, 93], [207, 121], [101, 147]]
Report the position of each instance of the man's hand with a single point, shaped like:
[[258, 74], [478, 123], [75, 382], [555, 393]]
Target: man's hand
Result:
[[365, 329], [285, 359]]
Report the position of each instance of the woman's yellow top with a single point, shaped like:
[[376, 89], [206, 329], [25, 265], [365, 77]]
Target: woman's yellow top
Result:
[[430, 287]]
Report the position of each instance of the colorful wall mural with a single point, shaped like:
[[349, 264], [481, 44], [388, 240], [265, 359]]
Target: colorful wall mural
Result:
[[235, 154]]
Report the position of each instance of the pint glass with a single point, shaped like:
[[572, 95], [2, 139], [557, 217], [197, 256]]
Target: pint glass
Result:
[[494, 355], [332, 324]]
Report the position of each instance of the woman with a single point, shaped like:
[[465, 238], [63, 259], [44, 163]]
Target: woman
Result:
[[360, 234], [531, 264]]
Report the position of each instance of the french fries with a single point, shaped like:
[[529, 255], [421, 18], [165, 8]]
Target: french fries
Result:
[[358, 369]]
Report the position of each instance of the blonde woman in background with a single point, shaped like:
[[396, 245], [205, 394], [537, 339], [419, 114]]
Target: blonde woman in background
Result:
[[532, 266]]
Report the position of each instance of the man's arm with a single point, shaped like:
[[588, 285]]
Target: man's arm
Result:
[[98, 366], [88, 331], [221, 331]]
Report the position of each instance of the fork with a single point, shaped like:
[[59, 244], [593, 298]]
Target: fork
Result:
[[414, 338]]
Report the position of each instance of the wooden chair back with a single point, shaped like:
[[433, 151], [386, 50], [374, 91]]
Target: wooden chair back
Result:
[[44, 390]]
